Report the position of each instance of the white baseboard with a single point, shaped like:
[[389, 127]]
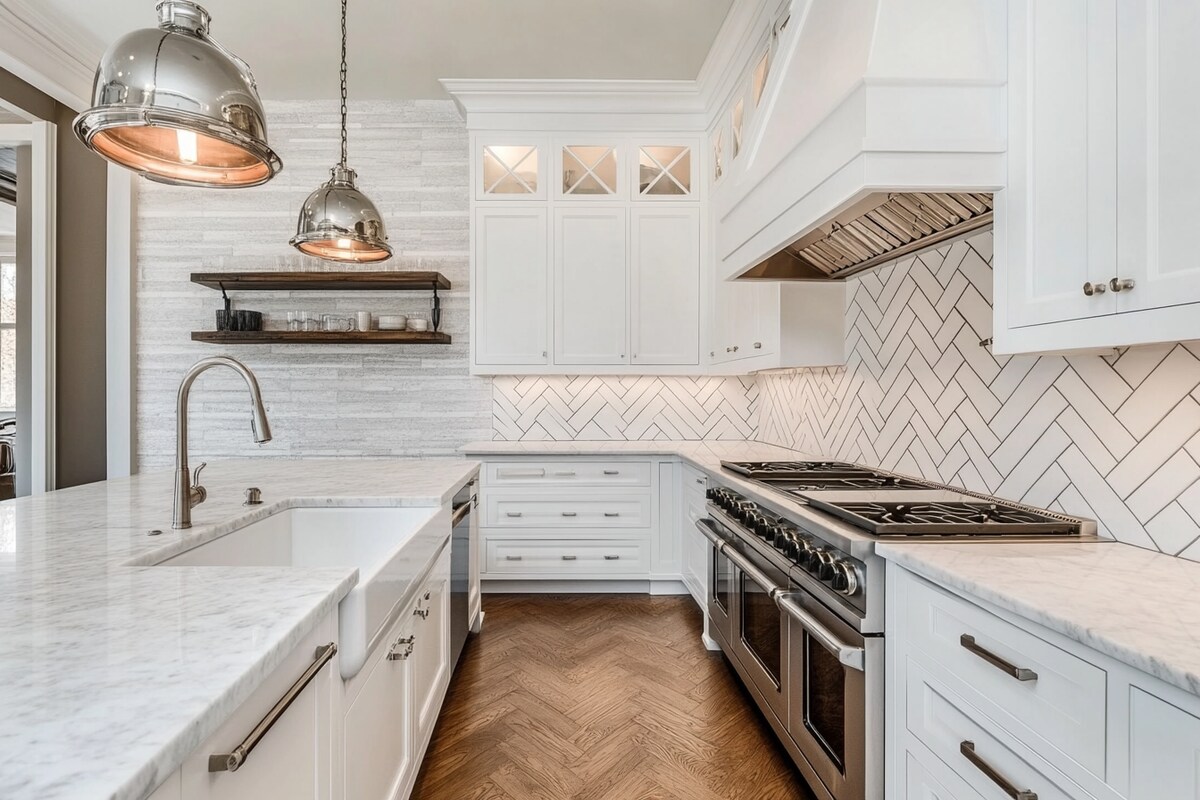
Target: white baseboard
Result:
[[709, 642], [567, 587]]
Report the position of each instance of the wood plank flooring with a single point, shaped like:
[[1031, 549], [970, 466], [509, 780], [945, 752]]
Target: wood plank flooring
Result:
[[599, 697]]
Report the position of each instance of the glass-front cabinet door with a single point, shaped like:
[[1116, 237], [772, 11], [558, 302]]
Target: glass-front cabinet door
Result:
[[511, 168], [589, 170], [666, 170]]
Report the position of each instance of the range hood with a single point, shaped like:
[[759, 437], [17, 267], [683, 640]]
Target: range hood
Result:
[[881, 131], [880, 228]]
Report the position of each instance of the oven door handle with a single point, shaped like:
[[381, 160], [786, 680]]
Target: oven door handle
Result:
[[709, 528], [852, 657], [756, 574]]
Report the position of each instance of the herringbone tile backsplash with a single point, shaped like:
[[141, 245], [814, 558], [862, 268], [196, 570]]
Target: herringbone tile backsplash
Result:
[[1115, 438], [619, 408]]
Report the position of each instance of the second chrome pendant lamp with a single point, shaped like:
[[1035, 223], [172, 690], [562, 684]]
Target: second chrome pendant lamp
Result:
[[337, 221]]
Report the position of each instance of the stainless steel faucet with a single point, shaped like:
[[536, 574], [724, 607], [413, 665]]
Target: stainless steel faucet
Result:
[[188, 491]]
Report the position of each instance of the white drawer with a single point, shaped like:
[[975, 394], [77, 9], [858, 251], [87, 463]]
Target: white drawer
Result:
[[1061, 698], [694, 480], [921, 782], [508, 510], [572, 558], [566, 473], [943, 722]]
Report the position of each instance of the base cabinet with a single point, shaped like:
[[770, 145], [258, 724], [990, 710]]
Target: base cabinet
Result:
[[982, 703], [378, 751]]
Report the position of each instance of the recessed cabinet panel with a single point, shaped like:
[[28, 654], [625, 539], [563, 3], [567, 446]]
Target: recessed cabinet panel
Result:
[[591, 286], [378, 727], [1158, 155], [1164, 749], [1062, 160], [511, 286], [666, 285]]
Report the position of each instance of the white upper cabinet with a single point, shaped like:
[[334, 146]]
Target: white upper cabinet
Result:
[[1093, 245], [589, 171], [511, 294], [1158, 140], [509, 167], [665, 171], [591, 286], [665, 271]]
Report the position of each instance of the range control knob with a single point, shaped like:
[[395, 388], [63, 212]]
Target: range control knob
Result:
[[810, 557], [825, 562], [711, 493], [845, 578]]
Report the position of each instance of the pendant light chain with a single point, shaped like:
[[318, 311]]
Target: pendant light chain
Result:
[[343, 78]]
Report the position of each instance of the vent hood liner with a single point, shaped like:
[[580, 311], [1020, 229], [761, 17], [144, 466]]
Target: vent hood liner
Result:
[[877, 229]]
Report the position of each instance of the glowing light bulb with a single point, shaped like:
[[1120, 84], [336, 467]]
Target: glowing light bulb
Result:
[[343, 244], [187, 146]]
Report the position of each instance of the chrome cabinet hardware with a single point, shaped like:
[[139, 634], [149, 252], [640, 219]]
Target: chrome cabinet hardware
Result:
[[612, 558], [967, 748], [612, 472], [543, 354], [758, 345], [728, 349], [1020, 673], [428, 595], [231, 762], [396, 654], [752, 572], [513, 514], [569, 558], [700, 481], [1121, 284], [569, 514], [423, 613], [853, 657], [520, 473], [512, 558], [1090, 288], [565, 474], [612, 513], [735, 348], [253, 497]]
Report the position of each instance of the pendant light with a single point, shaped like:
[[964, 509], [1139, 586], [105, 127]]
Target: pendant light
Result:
[[337, 221], [177, 107]]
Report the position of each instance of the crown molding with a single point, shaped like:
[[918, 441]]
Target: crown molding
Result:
[[48, 52], [733, 47]]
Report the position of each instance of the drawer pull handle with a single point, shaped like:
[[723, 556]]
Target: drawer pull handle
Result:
[[612, 558], [513, 514], [567, 474], [569, 558], [231, 762], [1020, 673], [967, 748], [512, 558], [612, 513], [700, 481], [401, 655], [568, 514], [612, 472], [423, 613], [520, 473]]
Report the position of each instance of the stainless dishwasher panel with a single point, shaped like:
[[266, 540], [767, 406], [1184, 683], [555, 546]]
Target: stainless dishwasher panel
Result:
[[460, 570]]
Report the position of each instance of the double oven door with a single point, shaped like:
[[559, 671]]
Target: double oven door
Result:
[[818, 680]]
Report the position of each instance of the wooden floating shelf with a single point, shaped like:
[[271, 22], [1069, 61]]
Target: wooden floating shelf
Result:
[[321, 337], [328, 281]]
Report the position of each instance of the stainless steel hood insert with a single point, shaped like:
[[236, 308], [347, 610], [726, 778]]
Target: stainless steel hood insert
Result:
[[879, 228]]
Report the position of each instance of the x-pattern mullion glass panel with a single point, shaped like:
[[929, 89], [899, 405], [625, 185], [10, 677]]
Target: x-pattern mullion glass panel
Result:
[[718, 148], [589, 170], [735, 123], [665, 170], [759, 83], [510, 169], [8, 335]]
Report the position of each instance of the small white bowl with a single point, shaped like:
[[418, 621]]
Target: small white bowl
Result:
[[392, 322], [418, 325]]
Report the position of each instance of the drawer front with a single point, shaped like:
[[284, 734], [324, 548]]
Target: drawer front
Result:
[[551, 558], [1055, 696], [507, 510], [945, 724], [567, 473], [1164, 749], [920, 783], [694, 480]]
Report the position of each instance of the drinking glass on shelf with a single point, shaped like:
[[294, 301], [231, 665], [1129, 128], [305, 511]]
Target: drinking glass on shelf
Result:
[[296, 320], [332, 322]]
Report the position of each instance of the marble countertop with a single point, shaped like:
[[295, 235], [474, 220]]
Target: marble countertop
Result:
[[112, 671], [1132, 604]]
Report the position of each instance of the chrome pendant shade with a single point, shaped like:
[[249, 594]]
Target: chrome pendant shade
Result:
[[337, 221], [177, 107]]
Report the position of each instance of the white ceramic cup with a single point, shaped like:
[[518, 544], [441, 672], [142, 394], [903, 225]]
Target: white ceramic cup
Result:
[[392, 322], [363, 320], [417, 324]]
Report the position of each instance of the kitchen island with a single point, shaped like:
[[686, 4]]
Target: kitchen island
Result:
[[113, 670]]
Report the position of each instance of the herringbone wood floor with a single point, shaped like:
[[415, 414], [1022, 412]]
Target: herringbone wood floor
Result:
[[599, 697]]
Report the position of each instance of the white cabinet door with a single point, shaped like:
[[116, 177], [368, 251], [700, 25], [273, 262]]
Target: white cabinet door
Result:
[[1164, 749], [431, 645], [733, 325], [1159, 160], [665, 268], [511, 286], [1060, 207], [378, 739], [591, 286]]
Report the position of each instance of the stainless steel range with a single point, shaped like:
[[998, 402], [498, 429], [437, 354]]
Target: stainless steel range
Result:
[[795, 595]]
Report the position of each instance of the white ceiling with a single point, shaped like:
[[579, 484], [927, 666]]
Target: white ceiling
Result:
[[398, 50]]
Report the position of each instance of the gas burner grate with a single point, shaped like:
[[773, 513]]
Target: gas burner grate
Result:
[[798, 486], [945, 518], [796, 469]]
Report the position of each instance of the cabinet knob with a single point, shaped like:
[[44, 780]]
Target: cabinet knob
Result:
[[735, 348], [728, 349], [1090, 288], [1121, 284], [758, 345], [543, 354]]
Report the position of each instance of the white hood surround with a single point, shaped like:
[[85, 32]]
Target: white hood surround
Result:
[[863, 97]]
